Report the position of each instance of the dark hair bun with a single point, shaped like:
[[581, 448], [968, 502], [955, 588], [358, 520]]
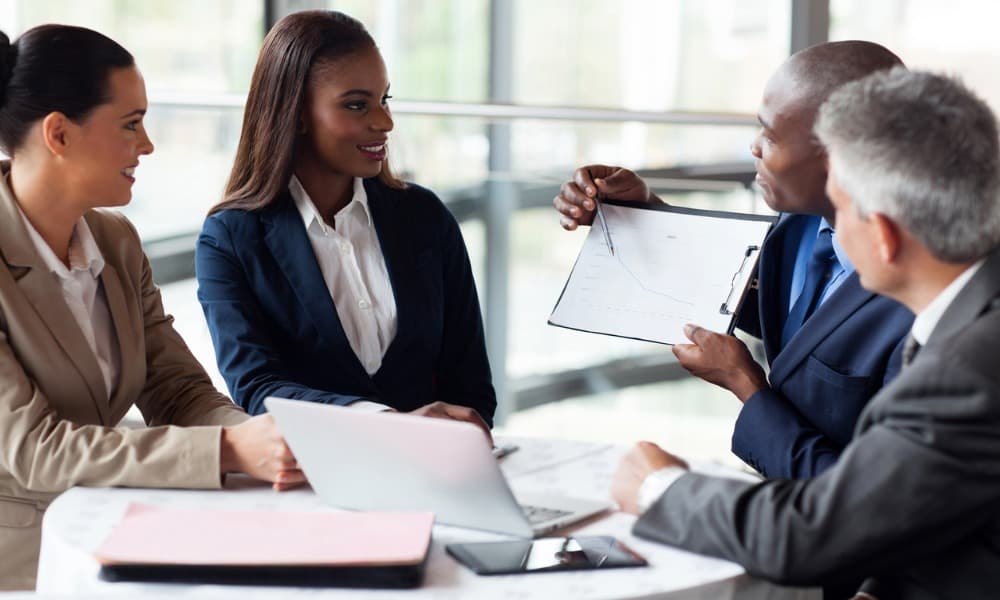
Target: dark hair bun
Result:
[[8, 53]]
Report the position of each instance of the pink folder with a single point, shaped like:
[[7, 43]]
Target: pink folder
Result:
[[185, 536]]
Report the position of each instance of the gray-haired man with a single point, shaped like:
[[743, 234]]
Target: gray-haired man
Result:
[[914, 501]]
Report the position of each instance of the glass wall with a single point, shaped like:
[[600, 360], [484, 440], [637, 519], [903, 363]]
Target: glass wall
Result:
[[196, 49], [686, 58], [957, 37]]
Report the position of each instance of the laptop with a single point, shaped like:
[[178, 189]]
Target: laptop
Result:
[[393, 461]]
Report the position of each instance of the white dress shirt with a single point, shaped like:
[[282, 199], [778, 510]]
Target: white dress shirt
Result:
[[84, 295], [353, 267], [927, 320]]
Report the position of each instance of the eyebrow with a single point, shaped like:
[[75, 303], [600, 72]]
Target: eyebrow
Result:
[[137, 112], [360, 92]]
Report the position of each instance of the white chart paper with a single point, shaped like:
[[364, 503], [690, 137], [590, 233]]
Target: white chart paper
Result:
[[670, 267]]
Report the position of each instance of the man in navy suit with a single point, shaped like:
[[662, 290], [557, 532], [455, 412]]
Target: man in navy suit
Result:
[[830, 344]]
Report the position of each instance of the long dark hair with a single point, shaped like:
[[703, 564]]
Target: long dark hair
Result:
[[265, 155], [53, 68]]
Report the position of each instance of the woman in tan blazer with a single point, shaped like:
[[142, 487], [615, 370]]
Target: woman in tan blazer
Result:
[[83, 335]]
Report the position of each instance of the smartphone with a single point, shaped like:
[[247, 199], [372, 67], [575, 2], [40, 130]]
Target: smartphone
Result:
[[545, 555]]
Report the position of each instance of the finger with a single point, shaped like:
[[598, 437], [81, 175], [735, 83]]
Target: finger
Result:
[[578, 194], [686, 353], [621, 184], [698, 335], [289, 476], [566, 208], [464, 413], [584, 182], [568, 224]]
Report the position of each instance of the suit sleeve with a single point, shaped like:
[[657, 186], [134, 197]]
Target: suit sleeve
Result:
[[44, 452], [247, 356], [773, 437], [177, 390], [463, 373], [927, 468]]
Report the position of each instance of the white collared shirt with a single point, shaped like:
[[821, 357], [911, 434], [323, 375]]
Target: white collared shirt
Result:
[[353, 267], [927, 320], [84, 295]]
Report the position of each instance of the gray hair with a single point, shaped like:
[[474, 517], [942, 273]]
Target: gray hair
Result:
[[923, 150]]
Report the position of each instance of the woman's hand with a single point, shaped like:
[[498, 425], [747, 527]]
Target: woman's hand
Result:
[[257, 448], [443, 410]]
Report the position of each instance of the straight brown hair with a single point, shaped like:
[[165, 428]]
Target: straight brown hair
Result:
[[265, 155]]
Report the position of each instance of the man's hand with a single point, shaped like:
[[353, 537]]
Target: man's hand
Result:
[[443, 410], [575, 201], [256, 447], [722, 360], [641, 460]]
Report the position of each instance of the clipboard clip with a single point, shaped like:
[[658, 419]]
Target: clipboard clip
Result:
[[727, 307]]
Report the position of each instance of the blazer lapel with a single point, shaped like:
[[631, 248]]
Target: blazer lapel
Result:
[[848, 298], [286, 238], [774, 281], [130, 343], [45, 296], [977, 295]]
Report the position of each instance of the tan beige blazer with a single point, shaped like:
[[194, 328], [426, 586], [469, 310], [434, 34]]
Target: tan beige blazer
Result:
[[56, 420]]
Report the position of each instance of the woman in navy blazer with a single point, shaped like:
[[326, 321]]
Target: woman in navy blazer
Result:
[[282, 307]]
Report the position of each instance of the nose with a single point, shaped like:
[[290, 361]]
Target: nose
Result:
[[755, 146], [382, 118], [145, 144]]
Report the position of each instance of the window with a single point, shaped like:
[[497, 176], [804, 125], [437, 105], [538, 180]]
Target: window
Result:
[[181, 50]]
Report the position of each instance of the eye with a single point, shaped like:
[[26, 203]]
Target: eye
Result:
[[356, 105], [385, 99], [133, 125]]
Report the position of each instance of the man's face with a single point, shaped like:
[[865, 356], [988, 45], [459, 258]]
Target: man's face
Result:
[[857, 236], [791, 166]]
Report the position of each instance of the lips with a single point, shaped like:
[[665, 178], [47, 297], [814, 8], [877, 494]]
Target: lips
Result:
[[375, 151], [129, 172]]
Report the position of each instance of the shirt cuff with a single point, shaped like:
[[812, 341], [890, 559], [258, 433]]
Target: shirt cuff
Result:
[[369, 406], [656, 484]]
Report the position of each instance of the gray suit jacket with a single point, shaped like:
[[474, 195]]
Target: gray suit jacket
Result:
[[56, 417], [915, 498]]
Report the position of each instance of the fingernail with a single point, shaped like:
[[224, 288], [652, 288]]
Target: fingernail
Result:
[[590, 191], [588, 204]]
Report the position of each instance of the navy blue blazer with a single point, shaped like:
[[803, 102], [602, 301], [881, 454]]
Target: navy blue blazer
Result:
[[276, 330], [843, 354]]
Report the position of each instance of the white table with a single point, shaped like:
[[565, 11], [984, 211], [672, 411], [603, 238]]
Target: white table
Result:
[[79, 520]]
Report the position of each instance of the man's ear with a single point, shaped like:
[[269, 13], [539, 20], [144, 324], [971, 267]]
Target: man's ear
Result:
[[57, 132], [888, 237]]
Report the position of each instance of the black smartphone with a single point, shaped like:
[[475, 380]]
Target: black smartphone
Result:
[[545, 555]]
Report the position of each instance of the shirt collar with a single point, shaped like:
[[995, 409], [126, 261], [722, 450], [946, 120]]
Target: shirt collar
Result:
[[838, 250], [308, 211], [927, 320], [84, 254]]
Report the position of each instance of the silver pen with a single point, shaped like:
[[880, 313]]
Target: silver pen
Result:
[[600, 216]]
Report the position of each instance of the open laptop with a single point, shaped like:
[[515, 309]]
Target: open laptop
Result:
[[392, 461]]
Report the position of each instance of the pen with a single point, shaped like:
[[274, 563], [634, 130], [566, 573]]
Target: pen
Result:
[[600, 215], [502, 451]]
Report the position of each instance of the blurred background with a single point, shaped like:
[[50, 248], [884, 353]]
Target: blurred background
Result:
[[496, 102]]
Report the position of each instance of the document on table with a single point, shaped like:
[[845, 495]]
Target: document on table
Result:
[[671, 266]]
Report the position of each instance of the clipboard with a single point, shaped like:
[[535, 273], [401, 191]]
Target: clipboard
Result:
[[671, 266], [256, 547]]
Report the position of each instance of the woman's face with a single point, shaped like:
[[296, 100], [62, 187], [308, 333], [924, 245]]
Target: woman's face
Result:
[[107, 144], [346, 119]]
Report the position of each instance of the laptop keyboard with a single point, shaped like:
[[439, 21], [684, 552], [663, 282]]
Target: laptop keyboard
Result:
[[540, 514]]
